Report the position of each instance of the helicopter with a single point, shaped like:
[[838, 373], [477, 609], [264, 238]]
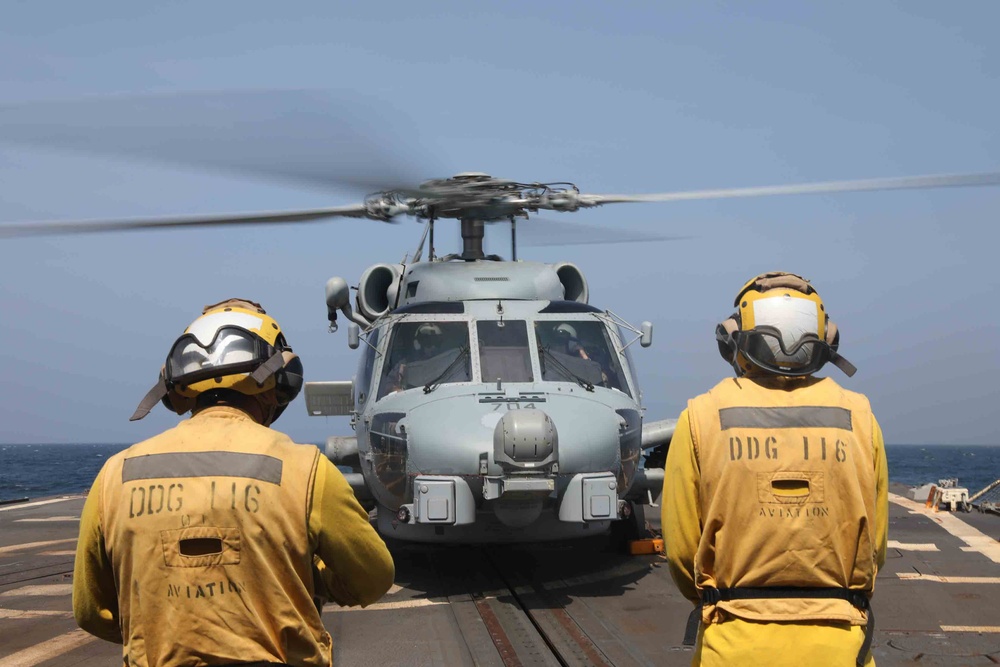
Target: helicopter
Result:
[[492, 402]]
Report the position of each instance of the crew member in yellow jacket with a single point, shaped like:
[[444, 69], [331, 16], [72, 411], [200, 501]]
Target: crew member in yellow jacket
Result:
[[775, 505], [218, 541]]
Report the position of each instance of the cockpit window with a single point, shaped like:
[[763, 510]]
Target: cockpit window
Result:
[[579, 351], [426, 353], [503, 351]]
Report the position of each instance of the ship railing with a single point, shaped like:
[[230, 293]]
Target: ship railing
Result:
[[988, 499]]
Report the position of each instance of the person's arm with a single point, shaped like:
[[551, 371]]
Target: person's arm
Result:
[[357, 568], [680, 511], [95, 597], [576, 348], [881, 495]]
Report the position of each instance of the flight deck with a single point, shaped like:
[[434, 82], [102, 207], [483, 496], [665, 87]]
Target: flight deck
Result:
[[562, 603]]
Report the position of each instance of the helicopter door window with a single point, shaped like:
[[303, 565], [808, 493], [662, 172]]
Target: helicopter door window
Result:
[[421, 353], [579, 351], [503, 351]]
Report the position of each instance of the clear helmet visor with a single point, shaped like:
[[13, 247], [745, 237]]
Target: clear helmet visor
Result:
[[232, 349], [765, 348], [785, 338]]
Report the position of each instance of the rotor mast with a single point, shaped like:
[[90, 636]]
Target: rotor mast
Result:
[[473, 231]]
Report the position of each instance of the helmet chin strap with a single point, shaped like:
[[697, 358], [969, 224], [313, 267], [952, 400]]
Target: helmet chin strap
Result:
[[844, 365], [152, 397]]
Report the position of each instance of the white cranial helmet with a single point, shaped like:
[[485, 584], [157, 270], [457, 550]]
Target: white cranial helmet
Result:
[[566, 330]]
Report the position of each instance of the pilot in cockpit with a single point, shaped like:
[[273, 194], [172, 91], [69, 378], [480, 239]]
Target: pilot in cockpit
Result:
[[428, 342], [565, 341], [568, 342]]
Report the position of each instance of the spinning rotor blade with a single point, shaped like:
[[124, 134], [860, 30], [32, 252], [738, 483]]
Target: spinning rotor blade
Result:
[[88, 226], [904, 183], [306, 137], [541, 232]]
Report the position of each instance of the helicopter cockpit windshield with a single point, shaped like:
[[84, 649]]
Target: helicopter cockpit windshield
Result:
[[579, 351], [422, 354], [503, 351], [425, 353]]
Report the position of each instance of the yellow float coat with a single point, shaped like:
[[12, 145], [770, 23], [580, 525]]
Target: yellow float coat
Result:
[[776, 482], [207, 545]]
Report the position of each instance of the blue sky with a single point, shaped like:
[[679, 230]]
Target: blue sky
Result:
[[615, 97]]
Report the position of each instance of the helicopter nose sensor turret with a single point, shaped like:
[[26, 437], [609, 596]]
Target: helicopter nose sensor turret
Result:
[[526, 447], [526, 441]]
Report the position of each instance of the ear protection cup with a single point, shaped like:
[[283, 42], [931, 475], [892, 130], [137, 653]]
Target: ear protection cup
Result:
[[724, 336], [179, 404], [288, 380], [832, 334]]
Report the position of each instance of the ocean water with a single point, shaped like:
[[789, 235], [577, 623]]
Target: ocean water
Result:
[[975, 466], [35, 471]]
